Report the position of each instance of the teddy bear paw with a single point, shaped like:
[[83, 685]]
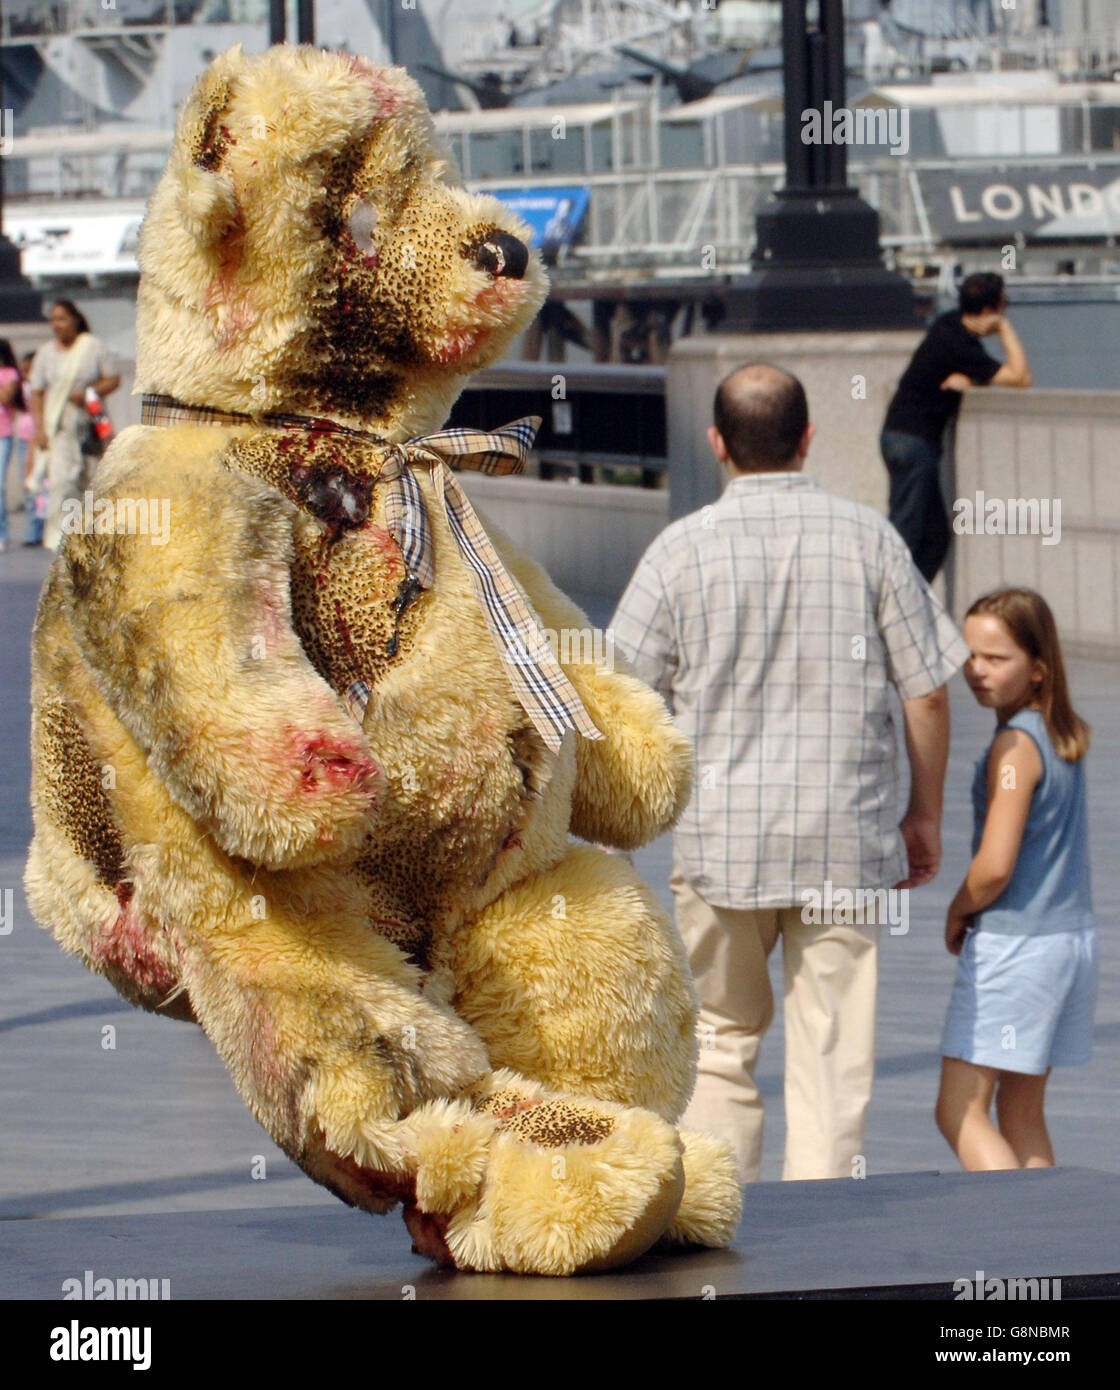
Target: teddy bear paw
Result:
[[570, 1187], [713, 1199]]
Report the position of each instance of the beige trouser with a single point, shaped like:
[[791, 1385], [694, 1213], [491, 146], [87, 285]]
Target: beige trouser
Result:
[[66, 469], [830, 980]]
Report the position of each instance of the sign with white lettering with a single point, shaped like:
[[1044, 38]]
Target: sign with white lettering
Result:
[[1043, 202], [69, 243]]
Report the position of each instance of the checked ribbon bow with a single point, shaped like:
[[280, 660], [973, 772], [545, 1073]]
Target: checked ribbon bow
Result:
[[539, 682]]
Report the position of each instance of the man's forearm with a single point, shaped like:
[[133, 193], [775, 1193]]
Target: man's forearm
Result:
[[927, 748], [37, 409], [1015, 352]]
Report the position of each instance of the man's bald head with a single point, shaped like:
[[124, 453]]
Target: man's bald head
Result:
[[762, 414]]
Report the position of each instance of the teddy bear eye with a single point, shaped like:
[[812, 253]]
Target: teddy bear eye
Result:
[[361, 224]]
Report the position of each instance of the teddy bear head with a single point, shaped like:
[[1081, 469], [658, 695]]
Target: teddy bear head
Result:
[[309, 249]]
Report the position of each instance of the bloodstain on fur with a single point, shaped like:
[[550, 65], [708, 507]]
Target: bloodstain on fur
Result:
[[358, 1186], [389, 99], [505, 1104], [231, 304], [347, 573], [125, 946], [326, 764], [373, 1182]]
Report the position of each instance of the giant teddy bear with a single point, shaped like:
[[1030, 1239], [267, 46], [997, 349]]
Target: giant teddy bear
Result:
[[300, 772]]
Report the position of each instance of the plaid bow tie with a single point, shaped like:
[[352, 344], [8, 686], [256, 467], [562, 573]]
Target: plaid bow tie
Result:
[[543, 690]]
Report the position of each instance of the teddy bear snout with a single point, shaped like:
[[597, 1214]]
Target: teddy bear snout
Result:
[[502, 254]]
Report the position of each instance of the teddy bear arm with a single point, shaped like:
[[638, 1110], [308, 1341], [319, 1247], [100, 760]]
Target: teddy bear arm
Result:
[[193, 648], [330, 1043], [632, 784]]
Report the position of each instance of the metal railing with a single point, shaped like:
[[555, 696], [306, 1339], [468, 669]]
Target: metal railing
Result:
[[679, 221], [59, 17], [703, 220], [598, 422]]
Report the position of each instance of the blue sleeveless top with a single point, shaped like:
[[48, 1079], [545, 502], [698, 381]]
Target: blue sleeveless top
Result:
[[1049, 889]]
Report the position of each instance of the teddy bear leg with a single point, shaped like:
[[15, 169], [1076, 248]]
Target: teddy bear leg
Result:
[[385, 1096], [576, 977], [507, 1176]]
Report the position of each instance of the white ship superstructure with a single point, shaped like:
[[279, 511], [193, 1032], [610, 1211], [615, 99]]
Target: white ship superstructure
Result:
[[669, 116]]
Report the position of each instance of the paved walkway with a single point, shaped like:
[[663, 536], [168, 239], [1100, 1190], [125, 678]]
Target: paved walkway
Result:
[[154, 1124], [912, 1235]]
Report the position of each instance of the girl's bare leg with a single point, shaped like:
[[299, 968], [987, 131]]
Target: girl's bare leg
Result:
[[1019, 1101], [963, 1106]]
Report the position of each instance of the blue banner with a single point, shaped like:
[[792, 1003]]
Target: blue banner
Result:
[[554, 214]]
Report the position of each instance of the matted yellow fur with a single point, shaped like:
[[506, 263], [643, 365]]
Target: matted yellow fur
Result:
[[421, 987]]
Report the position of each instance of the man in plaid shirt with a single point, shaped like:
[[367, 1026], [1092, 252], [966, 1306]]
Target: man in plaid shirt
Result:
[[775, 622]]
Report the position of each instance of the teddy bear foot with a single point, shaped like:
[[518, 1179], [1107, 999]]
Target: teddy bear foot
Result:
[[429, 1232], [574, 1188], [565, 1185], [713, 1199]]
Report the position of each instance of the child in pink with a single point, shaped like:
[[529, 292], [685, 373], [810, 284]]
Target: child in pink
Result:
[[10, 401]]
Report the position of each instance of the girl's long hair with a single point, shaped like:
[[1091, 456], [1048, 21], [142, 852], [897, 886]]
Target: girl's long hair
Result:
[[7, 356], [1028, 618]]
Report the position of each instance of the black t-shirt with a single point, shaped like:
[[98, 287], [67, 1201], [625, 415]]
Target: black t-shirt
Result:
[[920, 406]]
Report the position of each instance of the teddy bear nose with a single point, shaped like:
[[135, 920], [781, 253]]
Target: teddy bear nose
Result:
[[502, 254]]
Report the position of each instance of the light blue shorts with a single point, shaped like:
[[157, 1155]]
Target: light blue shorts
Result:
[[1023, 1003]]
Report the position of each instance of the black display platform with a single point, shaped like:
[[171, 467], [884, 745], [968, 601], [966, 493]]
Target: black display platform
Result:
[[903, 1235]]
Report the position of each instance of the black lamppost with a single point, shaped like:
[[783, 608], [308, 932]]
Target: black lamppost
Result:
[[278, 21], [20, 302], [817, 262]]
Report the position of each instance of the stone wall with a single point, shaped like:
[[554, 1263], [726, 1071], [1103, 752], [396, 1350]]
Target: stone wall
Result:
[[588, 536], [849, 379], [1057, 455]]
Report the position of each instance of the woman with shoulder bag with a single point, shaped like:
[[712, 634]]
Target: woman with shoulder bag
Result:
[[63, 371]]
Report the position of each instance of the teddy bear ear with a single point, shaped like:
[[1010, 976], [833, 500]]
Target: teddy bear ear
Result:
[[207, 199], [207, 205]]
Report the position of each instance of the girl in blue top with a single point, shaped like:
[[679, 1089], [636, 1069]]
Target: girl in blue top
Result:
[[1022, 921]]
